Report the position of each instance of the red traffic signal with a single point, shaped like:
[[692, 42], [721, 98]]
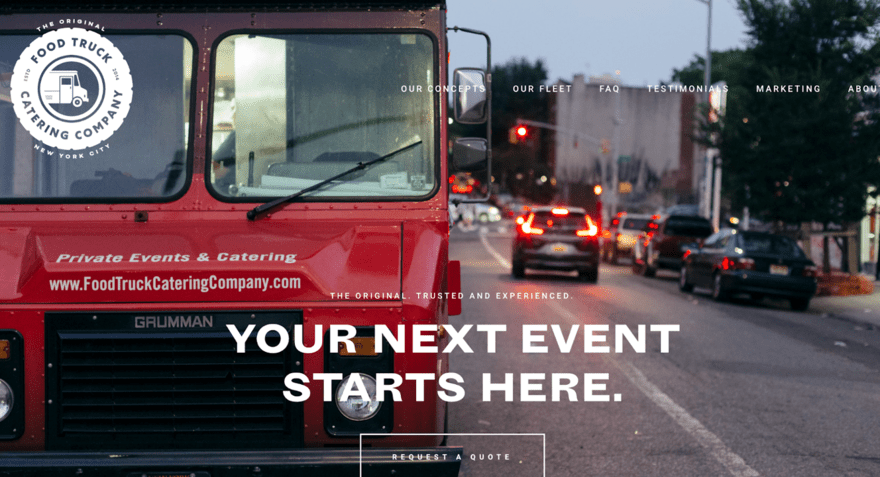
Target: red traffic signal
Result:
[[518, 133]]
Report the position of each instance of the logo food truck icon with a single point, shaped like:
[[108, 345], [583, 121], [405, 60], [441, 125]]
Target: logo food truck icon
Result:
[[71, 88], [63, 87]]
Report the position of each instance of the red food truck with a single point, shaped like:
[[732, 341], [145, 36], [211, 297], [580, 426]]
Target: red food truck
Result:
[[277, 165]]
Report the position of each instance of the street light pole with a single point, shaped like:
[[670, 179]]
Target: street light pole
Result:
[[615, 153], [707, 77], [706, 196]]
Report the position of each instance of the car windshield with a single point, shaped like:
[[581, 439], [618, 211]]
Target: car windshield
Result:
[[129, 165], [771, 245], [292, 110]]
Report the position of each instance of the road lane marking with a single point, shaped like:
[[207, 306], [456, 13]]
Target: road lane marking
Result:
[[729, 459], [503, 261], [714, 445]]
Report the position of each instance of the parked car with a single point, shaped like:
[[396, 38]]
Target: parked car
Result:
[[469, 212], [557, 238], [486, 213], [621, 236], [757, 263], [664, 241]]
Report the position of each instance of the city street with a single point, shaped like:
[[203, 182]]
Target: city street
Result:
[[746, 388]]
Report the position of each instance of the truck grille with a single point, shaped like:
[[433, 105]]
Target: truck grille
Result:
[[113, 384]]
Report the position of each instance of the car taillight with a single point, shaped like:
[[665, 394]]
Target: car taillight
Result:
[[811, 271], [737, 263], [528, 229], [591, 231]]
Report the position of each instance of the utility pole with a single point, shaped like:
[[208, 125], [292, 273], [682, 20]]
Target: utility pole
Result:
[[706, 207], [615, 152]]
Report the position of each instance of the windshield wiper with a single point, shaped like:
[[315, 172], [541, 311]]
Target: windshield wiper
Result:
[[253, 213]]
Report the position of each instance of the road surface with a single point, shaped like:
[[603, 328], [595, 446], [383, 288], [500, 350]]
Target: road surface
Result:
[[745, 389]]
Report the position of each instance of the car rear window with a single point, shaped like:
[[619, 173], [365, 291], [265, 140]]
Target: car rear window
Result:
[[771, 245], [688, 227], [572, 221], [634, 224]]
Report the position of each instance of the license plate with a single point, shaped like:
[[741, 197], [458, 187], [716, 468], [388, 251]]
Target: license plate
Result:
[[559, 248], [778, 269]]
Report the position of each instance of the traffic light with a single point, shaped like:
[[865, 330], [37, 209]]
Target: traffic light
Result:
[[606, 146], [518, 133]]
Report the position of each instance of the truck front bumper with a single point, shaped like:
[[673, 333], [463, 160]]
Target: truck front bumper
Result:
[[422, 462]]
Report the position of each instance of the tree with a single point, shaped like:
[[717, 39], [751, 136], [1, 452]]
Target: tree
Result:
[[804, 156], [728, 65], [509, 105]]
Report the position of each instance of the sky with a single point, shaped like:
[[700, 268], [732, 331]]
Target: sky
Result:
[[642, 39]]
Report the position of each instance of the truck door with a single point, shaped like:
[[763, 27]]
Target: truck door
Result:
[[65, 89]]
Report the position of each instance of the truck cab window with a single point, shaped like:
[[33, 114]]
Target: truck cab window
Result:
[[143, 160], [292, 110]]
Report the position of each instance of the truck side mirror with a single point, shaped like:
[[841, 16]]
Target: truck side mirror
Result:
[[470, 96], [470, 154]]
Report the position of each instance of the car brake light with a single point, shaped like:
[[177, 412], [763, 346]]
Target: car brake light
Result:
[[559, 211], [590, 231], [528, 229], [811, 271], [686, 253], [737, 263], [520, 220]]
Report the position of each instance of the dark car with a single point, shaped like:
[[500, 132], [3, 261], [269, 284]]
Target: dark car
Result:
[[664, 241], [557, 238], [757, 263]]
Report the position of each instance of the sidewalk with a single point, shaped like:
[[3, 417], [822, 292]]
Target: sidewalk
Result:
[[858, 308]]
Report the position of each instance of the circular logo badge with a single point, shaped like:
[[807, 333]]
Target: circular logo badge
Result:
[[71, 88]]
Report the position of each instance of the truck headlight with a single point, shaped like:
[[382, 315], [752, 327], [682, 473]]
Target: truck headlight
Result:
[[355, 407], [6, 399]]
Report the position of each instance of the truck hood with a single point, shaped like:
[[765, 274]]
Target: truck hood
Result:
[[212, 262]]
